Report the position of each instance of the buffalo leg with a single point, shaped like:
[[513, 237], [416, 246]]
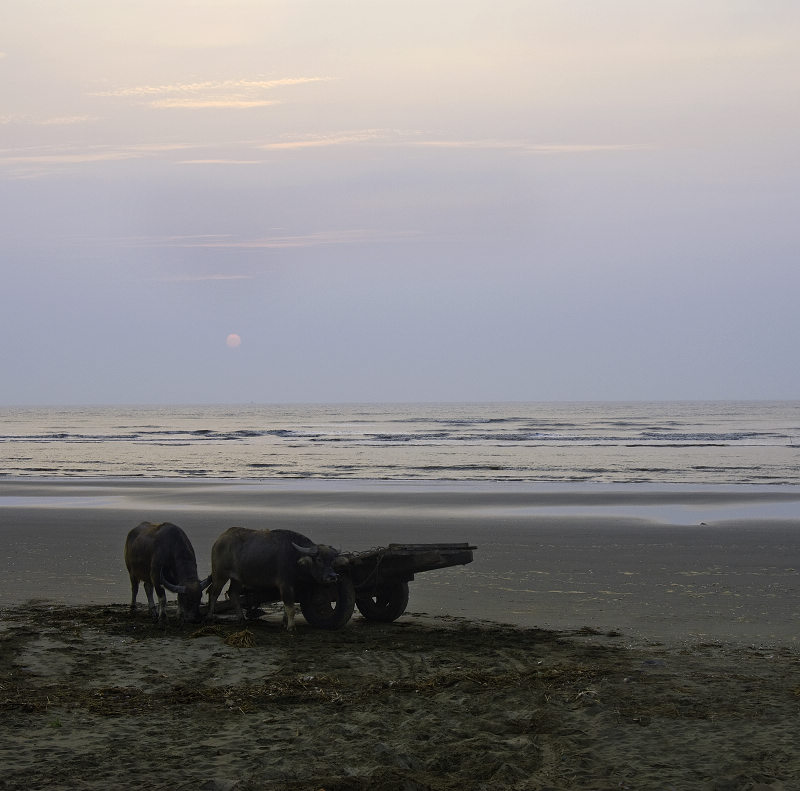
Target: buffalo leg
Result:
[[214, 591], [134, 592], [287, 595], [233, 592], [162, 604], [288, 616], [148, 589]]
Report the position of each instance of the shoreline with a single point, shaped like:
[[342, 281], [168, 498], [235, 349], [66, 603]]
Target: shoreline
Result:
[[243, 494], [657, 563]]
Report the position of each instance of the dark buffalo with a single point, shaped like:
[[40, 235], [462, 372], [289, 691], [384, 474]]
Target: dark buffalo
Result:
[[272, 565], [161, 556]]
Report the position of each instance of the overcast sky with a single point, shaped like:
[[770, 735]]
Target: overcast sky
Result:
[[399, 201]]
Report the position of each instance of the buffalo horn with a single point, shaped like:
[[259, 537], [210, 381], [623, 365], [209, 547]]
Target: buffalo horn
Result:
[[171, 586], [205, 583], [305, 550]]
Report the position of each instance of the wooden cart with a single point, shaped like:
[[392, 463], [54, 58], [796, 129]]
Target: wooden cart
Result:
[[376, 582]]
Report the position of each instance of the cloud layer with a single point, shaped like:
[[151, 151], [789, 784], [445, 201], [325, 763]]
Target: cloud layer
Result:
[[209, 94]]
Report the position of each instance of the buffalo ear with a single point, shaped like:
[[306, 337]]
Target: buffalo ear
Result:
[[305, 561], [340, 562]]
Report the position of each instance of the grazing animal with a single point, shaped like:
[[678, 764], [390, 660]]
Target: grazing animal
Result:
[[274, 563], [161, 556]]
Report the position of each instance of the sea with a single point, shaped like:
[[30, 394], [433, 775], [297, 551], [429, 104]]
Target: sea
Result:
[[703, 442]]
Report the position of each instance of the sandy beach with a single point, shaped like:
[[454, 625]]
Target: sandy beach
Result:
[[602, 638], [656, 563]]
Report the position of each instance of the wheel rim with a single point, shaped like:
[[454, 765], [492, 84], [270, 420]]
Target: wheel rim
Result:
[[385, 604], [329, 606]]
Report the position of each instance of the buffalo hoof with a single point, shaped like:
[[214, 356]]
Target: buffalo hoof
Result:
[[289, 627]]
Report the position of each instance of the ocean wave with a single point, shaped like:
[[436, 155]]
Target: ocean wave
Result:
[[731, 436], [602, 442], [539, 438]]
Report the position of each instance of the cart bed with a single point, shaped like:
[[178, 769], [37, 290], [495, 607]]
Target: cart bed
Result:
[[375, 568]]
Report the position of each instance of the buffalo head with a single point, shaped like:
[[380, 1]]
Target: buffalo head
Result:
[[189, 597], [321, 562]]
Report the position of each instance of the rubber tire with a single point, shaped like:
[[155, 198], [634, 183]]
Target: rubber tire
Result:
[[320, 611], [387, 605]]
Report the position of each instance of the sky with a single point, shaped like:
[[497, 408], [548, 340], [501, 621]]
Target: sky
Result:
[[428, 200]]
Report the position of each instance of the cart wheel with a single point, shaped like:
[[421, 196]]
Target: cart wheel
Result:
[[388, 603], [329, 606]]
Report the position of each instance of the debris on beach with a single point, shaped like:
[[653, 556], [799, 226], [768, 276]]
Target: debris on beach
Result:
[[243, 639]]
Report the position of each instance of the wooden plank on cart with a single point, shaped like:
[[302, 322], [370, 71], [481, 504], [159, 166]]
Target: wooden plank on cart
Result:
[[400, 562], [413, 548]]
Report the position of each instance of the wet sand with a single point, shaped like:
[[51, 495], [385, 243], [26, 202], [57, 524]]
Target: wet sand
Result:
[[602, 638], [638, 560]]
